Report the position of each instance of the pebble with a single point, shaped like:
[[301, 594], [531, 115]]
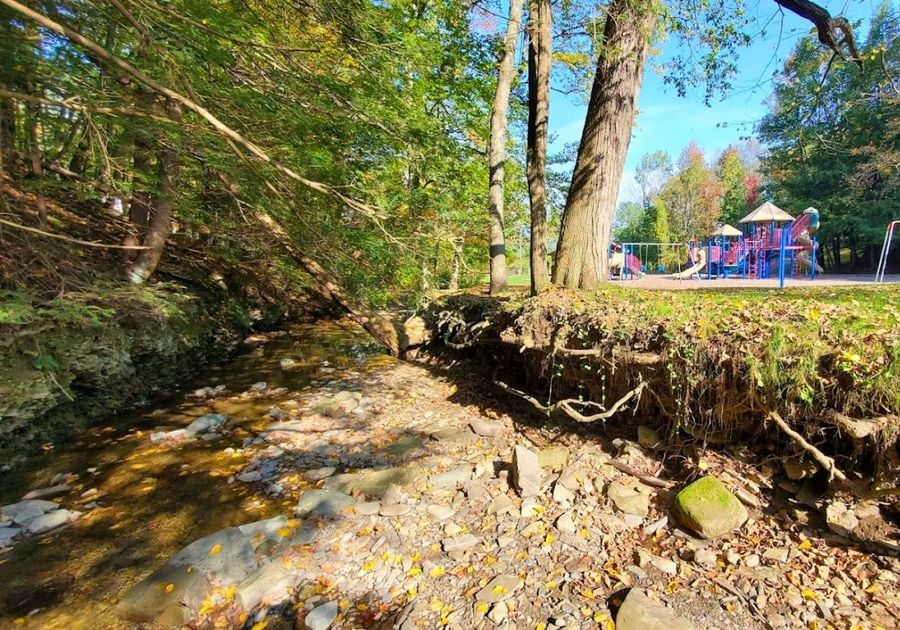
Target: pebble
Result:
[[565, 524], [705, 557], [779, 554], [458, 544], [440, 512], [321, 617], [395, 509]]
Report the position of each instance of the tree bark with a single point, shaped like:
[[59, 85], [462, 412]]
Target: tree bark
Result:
[[540, 52], [141, 208], [453, 284], [497, 149], [36, 155], [582, 256], [7, 135], [161, 223]]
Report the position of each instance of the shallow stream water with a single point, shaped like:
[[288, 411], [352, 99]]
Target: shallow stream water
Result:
[[141, 502]]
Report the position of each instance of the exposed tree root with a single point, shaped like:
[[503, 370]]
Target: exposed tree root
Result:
[[826, 462], [568, 405]]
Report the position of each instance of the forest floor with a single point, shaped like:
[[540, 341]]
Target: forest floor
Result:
[[391, 501]]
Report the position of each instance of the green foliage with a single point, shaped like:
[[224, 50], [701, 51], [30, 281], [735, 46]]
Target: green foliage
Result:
[[732, 175], [834, 132]]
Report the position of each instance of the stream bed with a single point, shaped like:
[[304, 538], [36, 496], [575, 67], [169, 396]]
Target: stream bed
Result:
[[141, 501]]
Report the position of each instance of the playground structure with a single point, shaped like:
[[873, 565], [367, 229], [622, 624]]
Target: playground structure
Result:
[[770, 244]]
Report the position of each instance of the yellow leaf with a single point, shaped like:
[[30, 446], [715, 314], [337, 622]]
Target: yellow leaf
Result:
[[549, 539], [873, 588], [215, 549], [284, 532], [599, 616], [260, 625], [805, 545], [586, 592], [368, 566], [541, 626], [414, 571], [499, 590], [809, 594], [437, 572], [169, 588], [482, 608], [436, 605]]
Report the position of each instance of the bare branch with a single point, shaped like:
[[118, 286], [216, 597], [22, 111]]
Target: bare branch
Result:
[[568, 405], [826, 462], [829, 28]]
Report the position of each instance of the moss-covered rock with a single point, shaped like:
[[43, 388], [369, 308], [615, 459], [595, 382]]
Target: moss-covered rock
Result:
[[708, 507]]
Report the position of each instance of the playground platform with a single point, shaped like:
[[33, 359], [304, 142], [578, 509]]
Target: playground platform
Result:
[[665, 282]]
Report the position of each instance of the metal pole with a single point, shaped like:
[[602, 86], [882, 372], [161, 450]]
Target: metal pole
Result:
[[812, 266], [885, 251], [781, 259]]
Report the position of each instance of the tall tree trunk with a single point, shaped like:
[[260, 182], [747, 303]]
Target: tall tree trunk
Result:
[[37, 157], [141, 204], [453, 285], [582, 255], [7, 135], [161, 224], [497, 150], [540, 38], [78, 163]]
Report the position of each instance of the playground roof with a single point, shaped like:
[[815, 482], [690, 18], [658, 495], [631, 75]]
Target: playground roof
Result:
[[726, 230], [767, 213]]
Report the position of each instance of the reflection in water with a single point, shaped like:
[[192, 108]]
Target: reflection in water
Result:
[[143, 502]]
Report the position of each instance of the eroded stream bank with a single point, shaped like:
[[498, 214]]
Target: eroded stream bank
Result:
[[395, 493]]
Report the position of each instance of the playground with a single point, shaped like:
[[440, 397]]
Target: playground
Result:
[[771, 248]]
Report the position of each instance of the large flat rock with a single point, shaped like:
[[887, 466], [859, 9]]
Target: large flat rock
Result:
[[372, 483], [639, 612]]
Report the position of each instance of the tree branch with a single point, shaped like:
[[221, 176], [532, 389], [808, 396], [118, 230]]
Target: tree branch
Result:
[[827, 27]]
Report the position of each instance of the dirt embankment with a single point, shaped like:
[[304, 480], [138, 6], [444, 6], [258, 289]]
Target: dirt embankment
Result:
[[78, 342], [705, 367]]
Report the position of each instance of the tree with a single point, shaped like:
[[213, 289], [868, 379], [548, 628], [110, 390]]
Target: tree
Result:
[[692, 197], [581, 258], [629, 26], [833, 134], [497, 147], [539, 59], [733, 181], [652, 172]]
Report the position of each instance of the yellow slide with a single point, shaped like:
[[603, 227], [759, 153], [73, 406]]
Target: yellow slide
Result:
[[697, 268]]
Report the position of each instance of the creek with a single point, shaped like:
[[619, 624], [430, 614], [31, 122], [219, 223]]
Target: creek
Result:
[[140, 501]]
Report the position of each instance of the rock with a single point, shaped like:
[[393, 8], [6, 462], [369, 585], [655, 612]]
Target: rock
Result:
[[452, 477], [269, 585], [666, 566], [205, 424], [751, 561], [452, 435], [639, 612], [50, 520], [395, 509], [8, 535], [372, 483], [705, 557], [318, 474], [24, 511], [250, 477], [171, 595], [286, 364], [323, 502], [840, 519], [630, 496], [501, 504], [321, 617], [797, 469], [342, 403], [277, 413], [778, 554], [392, 495], [647, 437], [260, 386], [415, 331], [440, 512], [368, 508], [707, 507], [565, 524], [531, 507], [485, 428], [499, 589], [458, 544], [267, 529], [526, 472], [553, 458], [562, 494], [45, 493], [499, 613], [654, 527]]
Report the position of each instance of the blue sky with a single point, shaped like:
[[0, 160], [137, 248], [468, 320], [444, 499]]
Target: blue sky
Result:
[[669, 122]]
